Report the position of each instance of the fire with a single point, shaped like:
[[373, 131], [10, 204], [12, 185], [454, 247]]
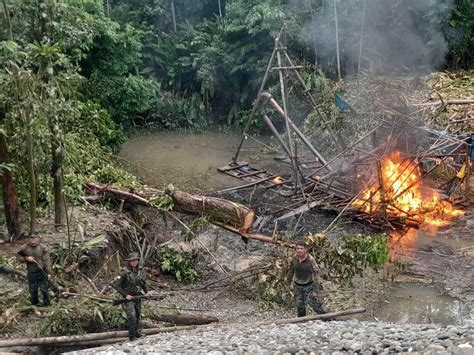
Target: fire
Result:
[[403, 195], [277, 180]]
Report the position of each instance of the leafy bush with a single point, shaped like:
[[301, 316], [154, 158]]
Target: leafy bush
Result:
[[177, 264], [349, 259], [173, 111], [125, 97], [70, 317]]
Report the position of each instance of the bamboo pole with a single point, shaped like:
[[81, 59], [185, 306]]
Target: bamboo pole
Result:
[[467, 177], [383, 201], [285, 110], [306, 91], [270, 125], [282, 113], [324, 316], [257, 101]]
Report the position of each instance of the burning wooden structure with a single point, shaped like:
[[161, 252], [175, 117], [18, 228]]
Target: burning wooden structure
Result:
[[378, 177]]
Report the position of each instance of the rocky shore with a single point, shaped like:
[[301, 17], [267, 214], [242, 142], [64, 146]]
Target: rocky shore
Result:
[[313, 337]]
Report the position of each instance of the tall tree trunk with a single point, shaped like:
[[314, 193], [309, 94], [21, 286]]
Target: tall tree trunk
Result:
[[7, 20], [10, 200], [220, 7], [361, 36], [57, 172], [173, 15], [31, 175], [337, 42], [57, 144]]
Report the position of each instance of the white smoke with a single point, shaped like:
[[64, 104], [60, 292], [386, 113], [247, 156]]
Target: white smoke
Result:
[[398, 34]]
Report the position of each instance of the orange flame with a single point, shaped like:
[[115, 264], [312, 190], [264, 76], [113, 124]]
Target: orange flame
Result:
[[404, 196]]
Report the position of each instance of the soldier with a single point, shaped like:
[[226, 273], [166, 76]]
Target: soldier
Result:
[[129, 283], [38, 264], [303, 281]]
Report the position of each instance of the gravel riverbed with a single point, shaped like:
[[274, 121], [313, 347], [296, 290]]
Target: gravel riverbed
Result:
[[317, 337]]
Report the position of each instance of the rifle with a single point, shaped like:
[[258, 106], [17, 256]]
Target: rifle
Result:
[[141, 297], [53, 286]]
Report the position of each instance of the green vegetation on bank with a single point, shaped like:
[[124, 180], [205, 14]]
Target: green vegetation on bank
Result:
[[76, 76]]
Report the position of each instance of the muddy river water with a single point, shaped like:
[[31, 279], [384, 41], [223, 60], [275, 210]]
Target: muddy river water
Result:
[[189, 161]]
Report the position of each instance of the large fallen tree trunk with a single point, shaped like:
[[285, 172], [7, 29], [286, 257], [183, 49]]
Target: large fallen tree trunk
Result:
[[84, 337], [217, 209]]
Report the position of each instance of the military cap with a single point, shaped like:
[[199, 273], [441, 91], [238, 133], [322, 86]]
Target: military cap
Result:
[[33, 233], [133, 256]]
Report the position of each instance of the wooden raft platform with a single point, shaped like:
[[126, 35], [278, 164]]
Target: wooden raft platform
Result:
[[242, 170]]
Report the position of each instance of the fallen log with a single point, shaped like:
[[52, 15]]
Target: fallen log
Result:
[[9, 270], [185, 319], [93, 343], [257, 236], [217, 209], [325, 316], [66, 339]]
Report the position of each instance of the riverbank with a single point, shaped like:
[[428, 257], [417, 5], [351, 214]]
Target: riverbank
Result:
[[312, 337]]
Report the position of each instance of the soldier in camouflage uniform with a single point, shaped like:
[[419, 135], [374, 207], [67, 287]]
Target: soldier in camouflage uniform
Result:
[[304, 282], [38, 264], [130, 283]]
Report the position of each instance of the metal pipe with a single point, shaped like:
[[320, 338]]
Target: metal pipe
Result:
[[280, 111], [270, 125]]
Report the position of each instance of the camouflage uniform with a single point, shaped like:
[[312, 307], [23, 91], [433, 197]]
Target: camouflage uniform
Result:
[[304, 276], [37, 278], [130, 282]]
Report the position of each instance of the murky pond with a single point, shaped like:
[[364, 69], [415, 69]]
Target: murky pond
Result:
[[410, 302], [186, 160]]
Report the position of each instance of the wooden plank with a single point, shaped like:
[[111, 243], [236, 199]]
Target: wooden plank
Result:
[[233, 166], [254, 173]]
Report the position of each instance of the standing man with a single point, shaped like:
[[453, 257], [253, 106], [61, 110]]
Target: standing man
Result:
[[129, 284], [303, 281], [38, 265]]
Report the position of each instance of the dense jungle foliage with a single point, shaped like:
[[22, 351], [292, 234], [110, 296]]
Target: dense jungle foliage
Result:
[[77, 75]]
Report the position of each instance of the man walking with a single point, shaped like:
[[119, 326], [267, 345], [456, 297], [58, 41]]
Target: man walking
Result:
[[303, 281], [129, 284], [38, 265]]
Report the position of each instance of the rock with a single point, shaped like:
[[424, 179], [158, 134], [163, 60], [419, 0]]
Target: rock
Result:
[[435, 347], [447, 343], [380, 332], [443, 336], [291, 350], [347, 345], [356, 347], [348, 336]]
